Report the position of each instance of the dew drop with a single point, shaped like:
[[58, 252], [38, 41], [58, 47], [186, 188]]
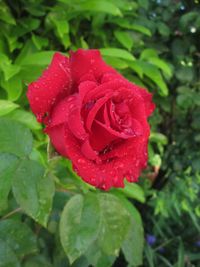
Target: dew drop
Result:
[[81, 161], [137, 163], [103, 186], [121, 165], [69, 99], [71, 106], [93, 180]]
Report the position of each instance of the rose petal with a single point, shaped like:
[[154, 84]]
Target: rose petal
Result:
[[103, 89], [88, 152], [84, 88], [87, 61], [61, 111], [100, 137], [149, 105], [53, 84], [57, 137], [75, 123], [93, 112], [105, 175]]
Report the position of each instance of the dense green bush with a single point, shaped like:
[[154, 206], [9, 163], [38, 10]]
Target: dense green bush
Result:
[[155, 44]]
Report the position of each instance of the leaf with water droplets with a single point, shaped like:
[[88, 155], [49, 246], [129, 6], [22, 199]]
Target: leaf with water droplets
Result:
[[133, 245], [7, 256], [133, 190], [8, 164], [6, 107], [18, 236], [33, 190], [15, 138], [93, 222], [79, 225], [115, 223]]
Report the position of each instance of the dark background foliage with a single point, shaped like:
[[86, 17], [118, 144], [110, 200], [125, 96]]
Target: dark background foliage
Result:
[[155, 44]]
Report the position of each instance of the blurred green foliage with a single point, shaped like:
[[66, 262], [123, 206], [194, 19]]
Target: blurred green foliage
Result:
[[155, 44]]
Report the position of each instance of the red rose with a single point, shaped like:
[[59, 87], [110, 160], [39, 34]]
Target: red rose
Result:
[[94, 117]]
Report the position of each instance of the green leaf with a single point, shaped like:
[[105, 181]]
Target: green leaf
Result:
[[26, 118], [39, 41], [149, 254], [141, 29], [163, 29], [124, 38], [5, 14], [116, 62], [31, 72], [96, 257], [61, 27], [79, 225], [100, 6], [10, 71], [115, 223], [185, 74], [7, 67], [181, 255], [148, 53], [144, 3], [33, 190], [28, 48], [39, 58], [117, 52], [134, 191], [37, 261], [188, 18], [7, 256], [154, 74], [18, 236], [15, 138], [158, 138], [136, 68], [25, 25], [161, 64], [8, 165], [91, 222], [6, 107], [133, 244], [13, 87], [124, 23]]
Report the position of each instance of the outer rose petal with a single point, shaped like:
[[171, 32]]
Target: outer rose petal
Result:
[[61, 111], [104, 175], [57, 137], [149, 105], [83, 62], [51, 86]]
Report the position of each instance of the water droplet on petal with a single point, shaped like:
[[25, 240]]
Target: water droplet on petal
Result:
[[121, 165], [71, 106], [81, 161]]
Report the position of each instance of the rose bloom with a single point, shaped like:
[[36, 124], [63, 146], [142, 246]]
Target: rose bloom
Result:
[[94, 117]]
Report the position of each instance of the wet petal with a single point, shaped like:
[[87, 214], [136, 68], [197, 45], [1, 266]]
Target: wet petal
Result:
[[93, 112], [61, 111], [57, 137], [75, 122], [88, 152], [83, 62], [51, 86]]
